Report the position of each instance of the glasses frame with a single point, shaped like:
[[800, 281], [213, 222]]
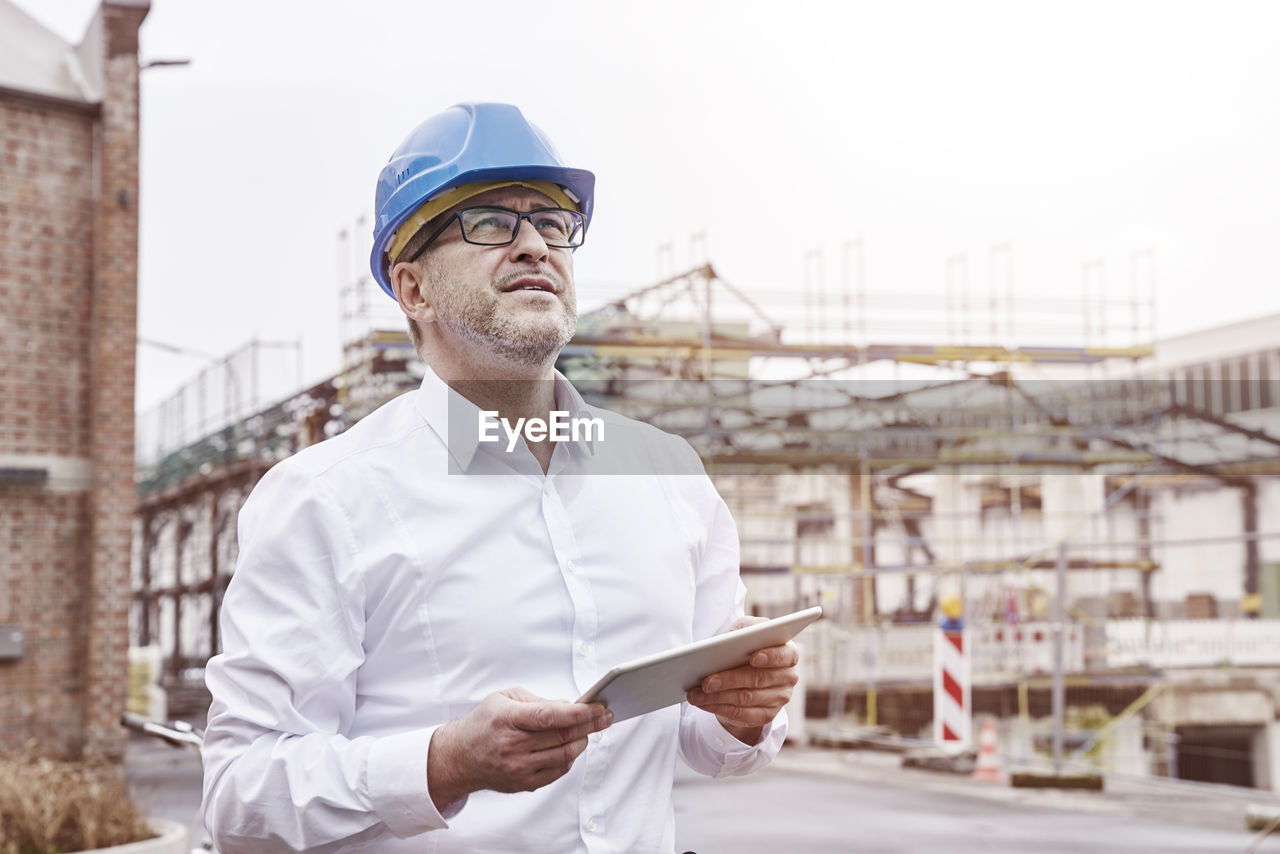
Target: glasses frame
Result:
[[521, 216]]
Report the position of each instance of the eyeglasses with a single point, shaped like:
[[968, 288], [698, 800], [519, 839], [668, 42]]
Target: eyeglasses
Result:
[[486, 226]]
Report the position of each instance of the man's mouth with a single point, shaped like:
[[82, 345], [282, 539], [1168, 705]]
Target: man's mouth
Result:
[[530, 283]]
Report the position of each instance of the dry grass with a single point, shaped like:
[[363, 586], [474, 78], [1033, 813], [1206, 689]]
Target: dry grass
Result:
[[49, 807]]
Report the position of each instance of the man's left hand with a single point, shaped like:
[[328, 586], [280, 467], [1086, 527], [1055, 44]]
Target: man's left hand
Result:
[[746, 698]]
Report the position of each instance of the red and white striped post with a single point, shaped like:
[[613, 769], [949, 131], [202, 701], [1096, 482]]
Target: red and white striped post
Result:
[[952, 707]]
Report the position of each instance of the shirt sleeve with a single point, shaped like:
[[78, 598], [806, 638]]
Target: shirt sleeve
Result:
[[708, 748], [279, 770], [704, 744]]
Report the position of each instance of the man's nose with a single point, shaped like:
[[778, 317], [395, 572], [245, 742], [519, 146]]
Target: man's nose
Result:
[[528, 244]]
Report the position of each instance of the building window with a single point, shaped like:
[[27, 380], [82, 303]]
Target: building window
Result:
[[1178, 387], [1243, 376], [1230, 387], [1216, 379], [815, 521], [1249, 381], [1268, 373], [1198, 378]]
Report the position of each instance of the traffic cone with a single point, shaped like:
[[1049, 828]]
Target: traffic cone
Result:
[[987, 768]]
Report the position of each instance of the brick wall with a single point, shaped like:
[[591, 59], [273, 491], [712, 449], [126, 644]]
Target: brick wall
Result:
[[68, 329], [113, 345], [43, 567], [46, 267]]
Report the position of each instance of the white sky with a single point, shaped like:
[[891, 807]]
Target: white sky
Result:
[[1073, 131]]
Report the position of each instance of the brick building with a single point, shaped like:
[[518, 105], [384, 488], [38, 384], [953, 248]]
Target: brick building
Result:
[[68, 318]]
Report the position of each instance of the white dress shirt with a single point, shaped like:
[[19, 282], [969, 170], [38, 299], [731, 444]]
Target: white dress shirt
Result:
[[392, 577]]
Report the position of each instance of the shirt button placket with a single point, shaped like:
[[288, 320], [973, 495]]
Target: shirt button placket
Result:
[[584, 625]]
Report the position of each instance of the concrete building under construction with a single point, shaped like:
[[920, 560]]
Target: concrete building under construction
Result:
[[1065, 472]]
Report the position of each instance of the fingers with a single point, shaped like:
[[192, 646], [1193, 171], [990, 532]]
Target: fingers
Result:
[[771, 667], [744, 688], [752, 706], [550, 765], [744, 621], [517, 741], [786, 655], [554, 737], [753, 694], [746, 716], [533, 770], [535, 715], [559, 758], [742, 698]]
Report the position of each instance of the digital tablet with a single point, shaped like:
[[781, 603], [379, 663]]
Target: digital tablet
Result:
[[662, 679]]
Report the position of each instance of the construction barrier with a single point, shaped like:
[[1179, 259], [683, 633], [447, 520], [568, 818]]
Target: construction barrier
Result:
[[952, 705]]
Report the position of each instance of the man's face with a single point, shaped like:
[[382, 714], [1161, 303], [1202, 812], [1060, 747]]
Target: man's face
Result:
[[516, 301]]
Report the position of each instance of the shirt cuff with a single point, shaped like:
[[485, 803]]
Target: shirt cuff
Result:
[[397, 780], [737, 757]]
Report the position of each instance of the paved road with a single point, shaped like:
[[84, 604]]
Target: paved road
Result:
[[816, 801], [166, 781], [781, 810]]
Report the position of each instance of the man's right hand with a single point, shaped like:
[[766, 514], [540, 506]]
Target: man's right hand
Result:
[[513, 741]]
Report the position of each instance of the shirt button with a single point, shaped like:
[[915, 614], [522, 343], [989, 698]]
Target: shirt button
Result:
[[546, 488], [584, 648], [570, 565], [719, 741], [592, 825], [597, 737]]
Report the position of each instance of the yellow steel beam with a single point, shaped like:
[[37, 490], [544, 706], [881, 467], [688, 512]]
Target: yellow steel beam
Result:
[[1105, 731], [1144, 564], [654, 346], [794, 458], [1047, 682], [1141, 564], [826, 569], [667, 351]]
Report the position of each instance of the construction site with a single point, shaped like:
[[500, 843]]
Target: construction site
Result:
[[1101, 502], [960, 367]]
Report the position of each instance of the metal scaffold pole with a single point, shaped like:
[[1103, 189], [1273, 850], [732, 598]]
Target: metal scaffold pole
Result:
[[867, 581], [1059, 630]]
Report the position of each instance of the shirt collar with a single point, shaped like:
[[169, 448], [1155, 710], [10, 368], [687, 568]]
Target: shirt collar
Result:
[[449, 414]]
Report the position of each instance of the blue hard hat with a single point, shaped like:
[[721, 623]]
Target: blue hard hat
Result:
[[464, 144]]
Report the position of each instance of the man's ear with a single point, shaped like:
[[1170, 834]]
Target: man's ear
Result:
[[410, 289]]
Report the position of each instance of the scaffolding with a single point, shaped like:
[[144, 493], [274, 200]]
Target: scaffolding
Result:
[[876, 450]]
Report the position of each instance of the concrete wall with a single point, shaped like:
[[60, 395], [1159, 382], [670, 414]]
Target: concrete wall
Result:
[[1266, 756], [68, 308], [1219, 342]]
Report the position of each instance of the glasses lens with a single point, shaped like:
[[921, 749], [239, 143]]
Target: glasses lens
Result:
[[558, 226], [489, 226], [496, 226]]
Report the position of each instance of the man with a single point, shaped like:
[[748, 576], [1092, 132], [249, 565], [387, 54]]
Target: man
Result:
[[410, 598]]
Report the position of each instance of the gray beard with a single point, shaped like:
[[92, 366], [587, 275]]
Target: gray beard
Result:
[[513, 341], [531, 342]]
